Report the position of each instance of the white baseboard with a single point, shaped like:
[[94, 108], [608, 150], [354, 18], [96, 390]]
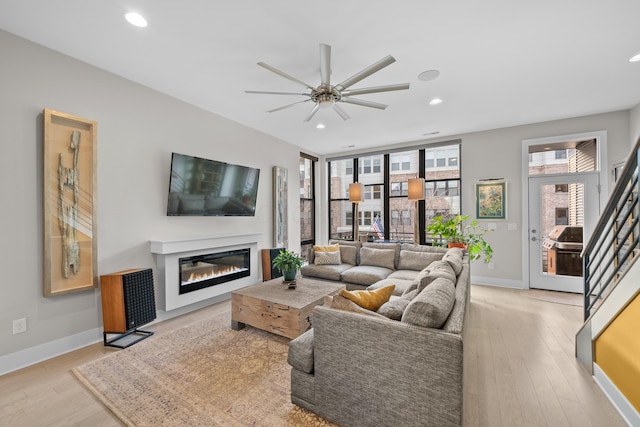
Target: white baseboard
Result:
[[30, 356], [626, 409], [501, 283]]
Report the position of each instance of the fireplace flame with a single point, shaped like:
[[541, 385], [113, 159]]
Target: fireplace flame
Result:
[[211, 272]]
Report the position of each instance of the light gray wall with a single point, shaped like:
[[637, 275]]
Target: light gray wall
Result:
[[138, 129], [634, 119]]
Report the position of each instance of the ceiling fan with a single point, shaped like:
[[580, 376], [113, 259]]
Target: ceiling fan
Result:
[[327, 96]]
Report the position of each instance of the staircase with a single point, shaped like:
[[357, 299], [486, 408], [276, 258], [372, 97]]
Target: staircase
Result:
[[608, 344]]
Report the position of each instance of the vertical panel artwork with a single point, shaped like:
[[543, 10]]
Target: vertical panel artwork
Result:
[[491, 200], [280, 208], [70, 195]]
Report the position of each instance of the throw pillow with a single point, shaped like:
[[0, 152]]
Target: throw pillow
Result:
[[454, 258], [378, 257], [326, 248], [348, 254], [432, 306], [371, 300], [410, 260], [327, 258], [433, 271], [394, 309], [341, 303]]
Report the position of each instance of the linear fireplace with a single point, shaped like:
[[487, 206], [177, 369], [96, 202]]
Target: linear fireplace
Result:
[[201, 271], [168, 252]]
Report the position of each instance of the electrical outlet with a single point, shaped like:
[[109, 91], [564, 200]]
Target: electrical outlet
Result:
[[20, 326], [490, 266]]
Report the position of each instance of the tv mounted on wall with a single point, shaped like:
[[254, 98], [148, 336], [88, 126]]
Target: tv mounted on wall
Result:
[[202, 187]]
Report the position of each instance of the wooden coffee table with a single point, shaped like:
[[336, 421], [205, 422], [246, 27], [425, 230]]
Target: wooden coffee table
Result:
[[273, 307]]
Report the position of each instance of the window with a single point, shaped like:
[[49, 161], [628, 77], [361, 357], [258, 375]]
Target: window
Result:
[[307, 203], [562, 216], [442, 176], [562, 188]]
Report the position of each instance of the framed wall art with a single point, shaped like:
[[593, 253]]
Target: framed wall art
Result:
[[491, 199], [70, 195], [280, 208]]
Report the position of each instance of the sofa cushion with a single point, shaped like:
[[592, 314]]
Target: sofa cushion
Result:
[[378, 257], [328, 272], [394, 308], [431, 307], [454, 257], [371, 300], [301, 352], [404, 275], [365, 274], [327, 258], [410, 260], [349, 254], [400, 285], [339, 302], [433, 271], [423, 248]]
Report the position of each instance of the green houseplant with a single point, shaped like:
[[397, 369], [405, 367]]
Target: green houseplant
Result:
[[288, 263], [455, 232]]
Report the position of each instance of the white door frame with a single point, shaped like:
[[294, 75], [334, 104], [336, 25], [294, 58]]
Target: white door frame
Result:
[[601, 164]]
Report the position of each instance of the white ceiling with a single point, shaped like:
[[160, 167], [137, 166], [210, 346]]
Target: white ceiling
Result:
[[501, 62]]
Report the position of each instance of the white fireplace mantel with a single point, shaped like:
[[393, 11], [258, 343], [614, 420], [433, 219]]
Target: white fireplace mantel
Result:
[[168, 252]]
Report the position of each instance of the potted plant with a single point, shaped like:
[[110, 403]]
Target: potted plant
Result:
[[288, 263], [456, 233]]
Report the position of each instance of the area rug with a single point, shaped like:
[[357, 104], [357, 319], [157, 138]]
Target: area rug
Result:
[[554, 296], [204, 374]]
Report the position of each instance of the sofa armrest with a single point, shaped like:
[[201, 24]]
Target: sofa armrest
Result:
[[372, 371]]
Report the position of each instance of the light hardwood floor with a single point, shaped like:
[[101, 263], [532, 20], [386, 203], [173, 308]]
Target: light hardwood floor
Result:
[[520, 371]]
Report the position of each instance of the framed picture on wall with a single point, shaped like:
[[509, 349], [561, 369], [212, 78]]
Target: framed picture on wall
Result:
[[491, 199], [70, 196]]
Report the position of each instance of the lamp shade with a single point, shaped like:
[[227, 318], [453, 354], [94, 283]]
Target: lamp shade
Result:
[[416, 189], [356, 192]]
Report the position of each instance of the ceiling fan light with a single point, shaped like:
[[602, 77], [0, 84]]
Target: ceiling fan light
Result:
[[326, 105]]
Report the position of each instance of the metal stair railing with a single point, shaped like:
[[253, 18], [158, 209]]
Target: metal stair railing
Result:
[[615, 240]]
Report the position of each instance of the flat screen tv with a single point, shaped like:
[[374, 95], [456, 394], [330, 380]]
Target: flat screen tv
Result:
[[202, 187]]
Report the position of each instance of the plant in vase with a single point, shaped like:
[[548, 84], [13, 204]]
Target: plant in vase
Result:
[[456, 233], [288, 263]]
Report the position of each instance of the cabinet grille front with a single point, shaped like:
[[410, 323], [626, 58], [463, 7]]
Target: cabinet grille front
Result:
[[139, 298]]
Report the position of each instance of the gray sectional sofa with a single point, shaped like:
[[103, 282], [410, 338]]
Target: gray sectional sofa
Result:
[[362, 368]]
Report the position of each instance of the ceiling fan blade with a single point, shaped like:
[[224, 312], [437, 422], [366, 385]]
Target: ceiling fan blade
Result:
[[387, 60], [285, 75], [312, 113], [276, 93], [288, 105], [376, 89], [325, 64], [364, 103], [341, 112]]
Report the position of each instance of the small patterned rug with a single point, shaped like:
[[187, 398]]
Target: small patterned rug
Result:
[[202, 375]]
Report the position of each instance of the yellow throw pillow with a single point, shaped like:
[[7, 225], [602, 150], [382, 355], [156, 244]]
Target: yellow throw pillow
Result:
[[328, 248], [371, 300]]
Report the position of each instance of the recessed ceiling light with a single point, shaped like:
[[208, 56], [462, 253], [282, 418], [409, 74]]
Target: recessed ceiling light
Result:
[[136, 19], [425, 76], [435, 101], [635, 58], [320, 126]]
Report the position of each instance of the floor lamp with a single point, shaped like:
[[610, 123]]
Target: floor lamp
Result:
[[416, 193], [356, 195]]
